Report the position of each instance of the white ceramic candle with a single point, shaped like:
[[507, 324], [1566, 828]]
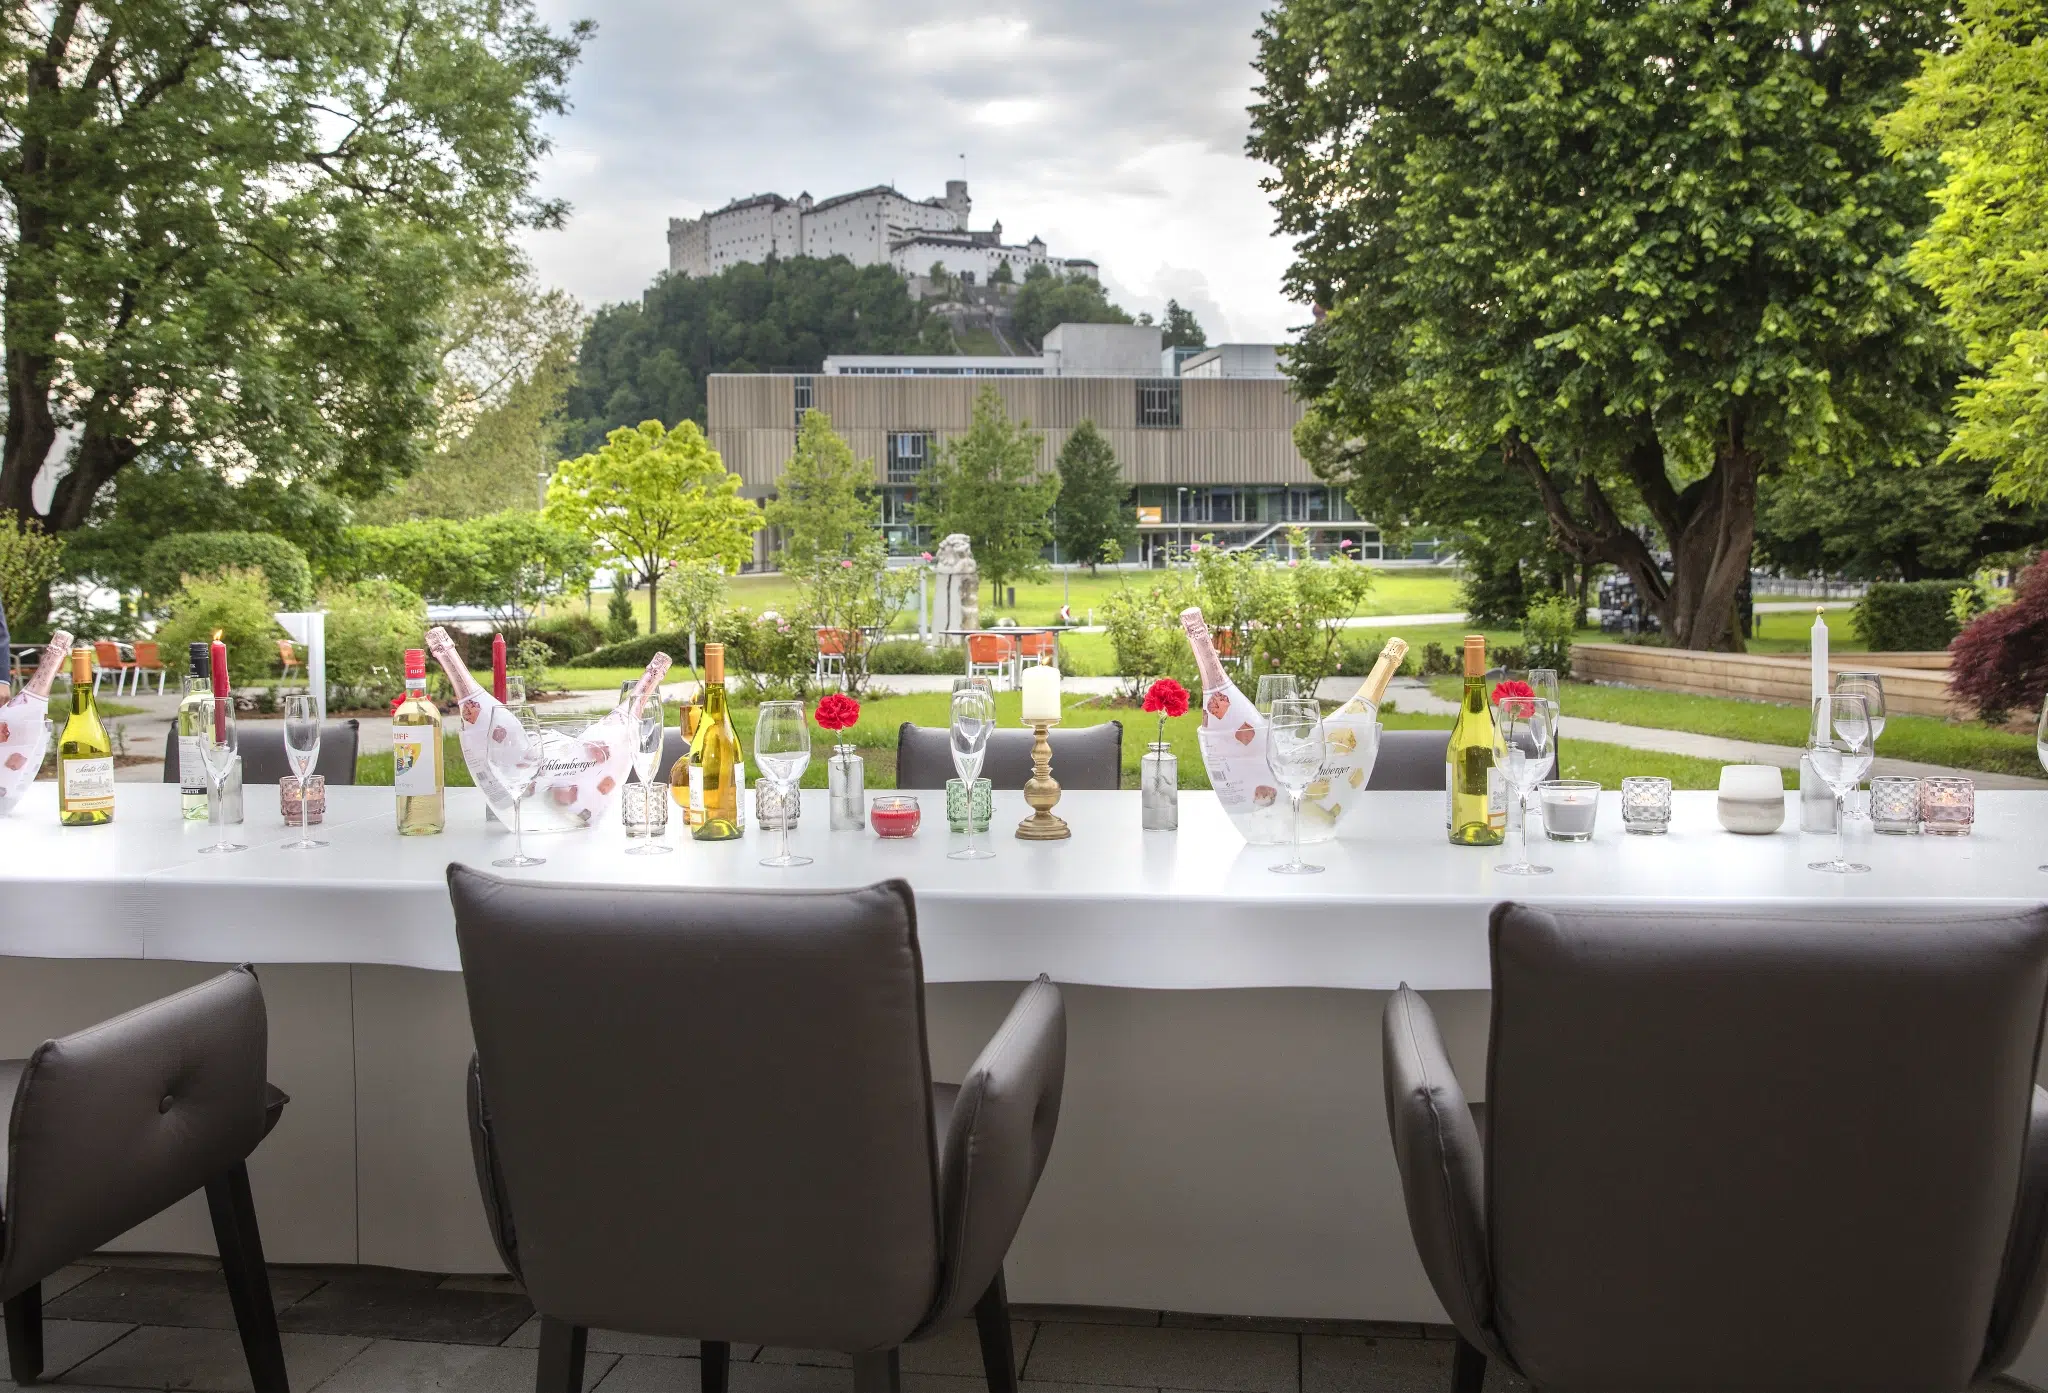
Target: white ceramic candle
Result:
[[1819, 637], [1041, 688]]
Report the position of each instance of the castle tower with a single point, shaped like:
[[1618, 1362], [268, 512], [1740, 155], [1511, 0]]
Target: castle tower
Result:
[[957, 200]]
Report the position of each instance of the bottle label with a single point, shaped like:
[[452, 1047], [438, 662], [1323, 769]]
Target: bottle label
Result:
[[412, 763], [697, 790], [1496, 799], [191, 765], [1450, 787], [88, 785]]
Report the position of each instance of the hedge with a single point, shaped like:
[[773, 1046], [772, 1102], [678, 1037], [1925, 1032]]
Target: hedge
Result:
[[636, 652], [170, 559], [1909, 616]]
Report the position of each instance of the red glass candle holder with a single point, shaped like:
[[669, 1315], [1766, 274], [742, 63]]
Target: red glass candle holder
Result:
[[894, 815]]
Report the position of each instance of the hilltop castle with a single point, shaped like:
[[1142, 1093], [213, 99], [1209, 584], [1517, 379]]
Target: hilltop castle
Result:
[[874, 227]]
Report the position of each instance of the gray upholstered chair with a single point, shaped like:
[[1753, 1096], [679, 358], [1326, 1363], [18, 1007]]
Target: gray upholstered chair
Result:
[[1410, 761], [263, 757], [708, 1113], [1082, 756], [116, 1124], [1738, 1152]]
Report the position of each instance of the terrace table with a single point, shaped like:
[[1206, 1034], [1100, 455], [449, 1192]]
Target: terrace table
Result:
[[1223, 1144]]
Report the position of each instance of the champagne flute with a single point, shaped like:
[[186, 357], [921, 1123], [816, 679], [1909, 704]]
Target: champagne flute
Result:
[[653, 728], [515, 754], [219, 738], [1275, 687], [1870, 687], [302, 749], [782, 748], [1524, 738], [1839, 746], [974, 717], [1295, 752]]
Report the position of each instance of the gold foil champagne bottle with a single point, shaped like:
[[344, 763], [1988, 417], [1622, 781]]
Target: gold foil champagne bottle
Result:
[[416, 754], [715, 759], [85, 757], [1475, 801]]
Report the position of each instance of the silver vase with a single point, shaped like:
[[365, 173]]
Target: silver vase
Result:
[[1159, 788], [846, 779]]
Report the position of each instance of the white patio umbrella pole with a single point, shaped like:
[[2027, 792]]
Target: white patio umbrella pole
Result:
[[308, 628]]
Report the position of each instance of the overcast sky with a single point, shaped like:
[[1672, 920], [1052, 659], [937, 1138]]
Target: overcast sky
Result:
[[1114, 129]]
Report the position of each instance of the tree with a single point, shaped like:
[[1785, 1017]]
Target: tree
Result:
[[29, 560], [1982, 106], [1641, 293], [1094, 498], [986, 484], [824, 505], [231, 228], [1045, 301], [1891, 521], [1002, 275], [1182, 330], [505, 563], [654, 498]]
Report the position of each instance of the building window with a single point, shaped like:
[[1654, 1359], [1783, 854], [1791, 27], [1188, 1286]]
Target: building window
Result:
[[1159, 404], [803, 399], [908, 452]]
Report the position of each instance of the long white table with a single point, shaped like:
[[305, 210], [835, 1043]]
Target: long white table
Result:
[[1222, 1146]]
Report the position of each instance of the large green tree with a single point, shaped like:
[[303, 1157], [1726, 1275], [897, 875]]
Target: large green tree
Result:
[[1892, 521], [1047, 300], [825, 506], [1094, 497], [231, 227], [1181, 329], [505, 562], [1645, 253], [985, 483], [1982, 106]]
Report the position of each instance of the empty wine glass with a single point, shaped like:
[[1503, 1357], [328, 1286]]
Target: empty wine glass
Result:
[[1839, 746], [782, 748], [2041, 740], [218, 740], [515, 754], [651, 732], [974, 717], [1524, 738], [1870, 687], [1275, 687], [1294, 752], [302, 749]]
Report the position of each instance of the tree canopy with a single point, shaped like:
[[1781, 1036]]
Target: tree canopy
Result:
[[1094, 498], [985, 483], [505, 562], [825, 506], [1047, 300], [1642, 255], [231, 229], [1891, 521], [1181, 329]]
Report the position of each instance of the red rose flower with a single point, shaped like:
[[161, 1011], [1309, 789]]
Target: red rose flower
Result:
[[1517, 699], [1168, 696], [837, 712]]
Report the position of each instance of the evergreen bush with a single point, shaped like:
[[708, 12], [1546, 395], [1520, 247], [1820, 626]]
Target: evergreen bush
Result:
[[573, 636], [1547, 630], [1910, 616], [637, 652], [170, 560]]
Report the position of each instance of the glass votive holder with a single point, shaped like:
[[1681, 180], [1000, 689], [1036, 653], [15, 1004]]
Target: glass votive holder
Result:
[[1570, 808], [894, 815], [1895, 805], [1646, 805], [958, 810], [305, 806], [776, 807], [1948, 806], [644, 809]]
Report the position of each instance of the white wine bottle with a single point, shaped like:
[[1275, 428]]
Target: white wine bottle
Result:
[[1475, 800], [1374, 690], [85, 757], [24, 735], [715, 770], [416, 772], [197, 686]]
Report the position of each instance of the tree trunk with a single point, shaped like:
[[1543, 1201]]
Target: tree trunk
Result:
[[653, 585]]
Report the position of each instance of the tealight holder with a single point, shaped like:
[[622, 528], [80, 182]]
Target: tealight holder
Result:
[[302, 805], [1646, 805], [1042, 792], [1895, 805], [959, 807], [1570, 808], [644, 808], [894, 815], [1948, 806], [776, 807]]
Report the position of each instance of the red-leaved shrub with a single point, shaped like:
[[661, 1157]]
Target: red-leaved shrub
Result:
[[1999, 664]]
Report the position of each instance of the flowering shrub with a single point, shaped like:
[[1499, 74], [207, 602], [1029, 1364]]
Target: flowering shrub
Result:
[[2000, 663], [777, 655]]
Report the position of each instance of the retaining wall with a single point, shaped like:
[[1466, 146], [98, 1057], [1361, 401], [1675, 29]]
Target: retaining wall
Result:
[[1914, 683]]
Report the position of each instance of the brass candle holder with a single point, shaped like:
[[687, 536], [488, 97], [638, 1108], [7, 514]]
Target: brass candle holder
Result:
[[1042, 791]]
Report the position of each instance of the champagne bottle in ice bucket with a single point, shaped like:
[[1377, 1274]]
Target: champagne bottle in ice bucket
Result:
[[581, 773], [23, 734], [1232, 739]]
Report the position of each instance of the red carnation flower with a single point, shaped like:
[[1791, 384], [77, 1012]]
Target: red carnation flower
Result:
[[1517, 699], [837, 712], [1168, 696]]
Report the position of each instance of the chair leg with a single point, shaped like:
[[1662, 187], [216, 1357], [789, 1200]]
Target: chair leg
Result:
[[878, 1373], [1468, 1368], [241, 1260], [715, 1360], [24, 1315], [992, 1323], [562, 1347]]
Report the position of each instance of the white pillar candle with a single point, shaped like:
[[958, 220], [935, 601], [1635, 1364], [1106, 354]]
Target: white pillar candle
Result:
[[1041, 688], [1820, 654]]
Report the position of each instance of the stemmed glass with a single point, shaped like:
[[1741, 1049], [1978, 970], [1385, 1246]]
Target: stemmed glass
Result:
[[2041, 740], [1839, 746], [302, 748], [515, 753], [646, 757], [1294, 752], [1870, 687], [1275, 687], [974, 716], [218, 741], [782, 747], [1524, 739]]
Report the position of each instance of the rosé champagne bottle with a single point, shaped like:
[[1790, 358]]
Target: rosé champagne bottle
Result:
[[1233, 743], [581, 774], [23, 735]]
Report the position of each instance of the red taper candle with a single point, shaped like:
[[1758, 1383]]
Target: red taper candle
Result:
[[498, 666], [220, 688]]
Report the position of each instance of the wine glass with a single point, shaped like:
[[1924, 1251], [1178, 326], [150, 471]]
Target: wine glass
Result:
[[1275, 687], [782, 747], [2041, 740], [515, 754], [302, 749], [1294, 752], [218, 740], [979, 684], [1524, 739], [652, 730], [1839, 746], [1870, 687], [974, 716]]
